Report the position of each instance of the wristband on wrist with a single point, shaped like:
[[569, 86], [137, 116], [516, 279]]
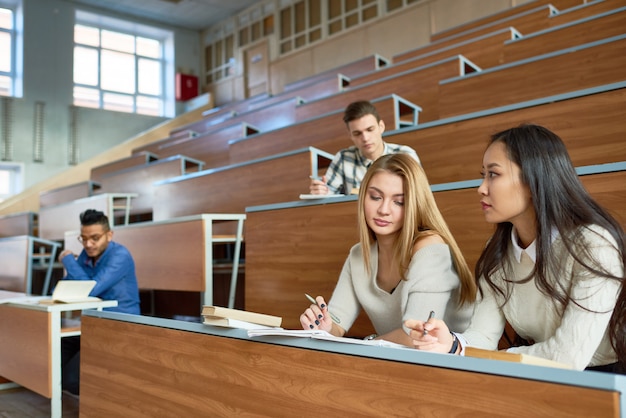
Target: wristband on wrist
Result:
[[371, 337], [455, 344]]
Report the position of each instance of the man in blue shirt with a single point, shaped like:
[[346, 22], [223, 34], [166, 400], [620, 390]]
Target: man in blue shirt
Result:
[[112, 267]]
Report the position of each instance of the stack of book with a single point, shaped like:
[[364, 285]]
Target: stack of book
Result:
[[235, 318]]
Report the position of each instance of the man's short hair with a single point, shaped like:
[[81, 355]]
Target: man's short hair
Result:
[[358, 109], [94, 217]]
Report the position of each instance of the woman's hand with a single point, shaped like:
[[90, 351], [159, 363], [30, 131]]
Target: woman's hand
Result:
[[317, 317], [432, 335]]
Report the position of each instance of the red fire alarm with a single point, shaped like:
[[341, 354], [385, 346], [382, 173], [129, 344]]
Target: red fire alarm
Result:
[[186, 87]]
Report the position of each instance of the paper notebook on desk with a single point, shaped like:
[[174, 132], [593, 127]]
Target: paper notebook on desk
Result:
[[72, 291], [320, 335], [319, 196], [514, 357]]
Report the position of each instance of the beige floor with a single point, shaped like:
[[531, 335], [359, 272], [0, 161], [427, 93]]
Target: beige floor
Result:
[[22, 403]]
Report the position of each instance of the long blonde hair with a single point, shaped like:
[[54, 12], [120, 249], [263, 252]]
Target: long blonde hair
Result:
[[421, 218]]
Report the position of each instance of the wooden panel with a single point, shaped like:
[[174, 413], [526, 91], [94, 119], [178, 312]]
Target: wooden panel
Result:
[[132, 369], [419, 86], [525, 22], [68, 193], [272, 116], [231, 189], [139, 158], [514, 16], [585, 10], [561, 37], [23, 223], [211, 148], [571, 70], [327, 132], [352, 69], [140, 179], [25, 348], [591, 126], [167, 256], [14, 253], [281, 266], [485, 51]]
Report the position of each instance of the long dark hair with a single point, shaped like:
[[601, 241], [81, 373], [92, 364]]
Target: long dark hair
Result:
[[560, 202]]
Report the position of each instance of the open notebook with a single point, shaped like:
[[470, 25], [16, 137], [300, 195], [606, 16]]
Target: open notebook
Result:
[[72, 291]]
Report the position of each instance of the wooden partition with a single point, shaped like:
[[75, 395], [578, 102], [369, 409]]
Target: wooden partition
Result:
[[177, 254], [138, 158], [211, 148], [589, 121], [587, 9], [130, 367], [54, 221], [231, 189], [525, 21], [300, 248], [22, 223], [353, 69], [327, 132], [19, 255], [579, 67], [68, 193], [139, 180], [418, 85], [568, 34]]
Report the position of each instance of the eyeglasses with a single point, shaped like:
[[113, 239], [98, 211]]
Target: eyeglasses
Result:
[[94, 238]]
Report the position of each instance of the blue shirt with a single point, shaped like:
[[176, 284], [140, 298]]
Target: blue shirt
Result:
[[114, 273]]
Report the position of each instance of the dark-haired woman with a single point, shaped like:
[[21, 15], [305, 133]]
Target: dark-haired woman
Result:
[[554, 268]]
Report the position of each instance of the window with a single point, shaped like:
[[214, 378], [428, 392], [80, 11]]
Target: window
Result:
[[10, 46], [119, 65], [10, 179]]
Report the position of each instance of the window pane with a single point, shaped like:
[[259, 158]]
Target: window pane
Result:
[[86, 97], [117, 102], [86, 66], [149, 106], [118, 72], [149, 77], [86, 35], [118, 41], [5, 182], [6, 19], [5, 86], [148, 47], [5, 51]]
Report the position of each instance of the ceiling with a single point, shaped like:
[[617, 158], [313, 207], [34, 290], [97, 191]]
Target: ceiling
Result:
[[192, 14]]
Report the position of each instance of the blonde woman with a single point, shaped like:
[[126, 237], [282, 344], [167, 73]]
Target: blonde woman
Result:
[[406, 264]]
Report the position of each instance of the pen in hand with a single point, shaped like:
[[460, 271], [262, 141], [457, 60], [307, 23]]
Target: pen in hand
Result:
[[312, 300], [430, 316]]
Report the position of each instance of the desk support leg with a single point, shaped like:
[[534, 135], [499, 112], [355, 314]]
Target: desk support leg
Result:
[[56, 408], [235, 271]]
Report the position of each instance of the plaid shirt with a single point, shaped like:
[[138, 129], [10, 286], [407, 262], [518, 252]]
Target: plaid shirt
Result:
[[348, 167]]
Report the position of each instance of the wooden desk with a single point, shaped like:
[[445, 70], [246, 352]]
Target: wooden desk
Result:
[[30, 349], [144, 366]]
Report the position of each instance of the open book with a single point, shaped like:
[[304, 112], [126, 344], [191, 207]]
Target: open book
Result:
[[320, 335], [514, 357], [72, 291], [217, 315]]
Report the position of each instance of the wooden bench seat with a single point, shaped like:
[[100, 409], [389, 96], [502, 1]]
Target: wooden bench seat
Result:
[[137, 158], [139, 180], [567, 35], [231, 189], [510, 14], [327, 132], [419, 85], [264, 118], [290, 251], [54, 221], [563, 71], [21, 223], [527, 21], [590, 122], [352, 69], [68, 193], [484, 51], [178, 254], [211, 148]]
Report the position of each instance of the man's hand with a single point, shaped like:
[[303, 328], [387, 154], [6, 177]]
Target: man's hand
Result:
[[318, 186], [64, 253]]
